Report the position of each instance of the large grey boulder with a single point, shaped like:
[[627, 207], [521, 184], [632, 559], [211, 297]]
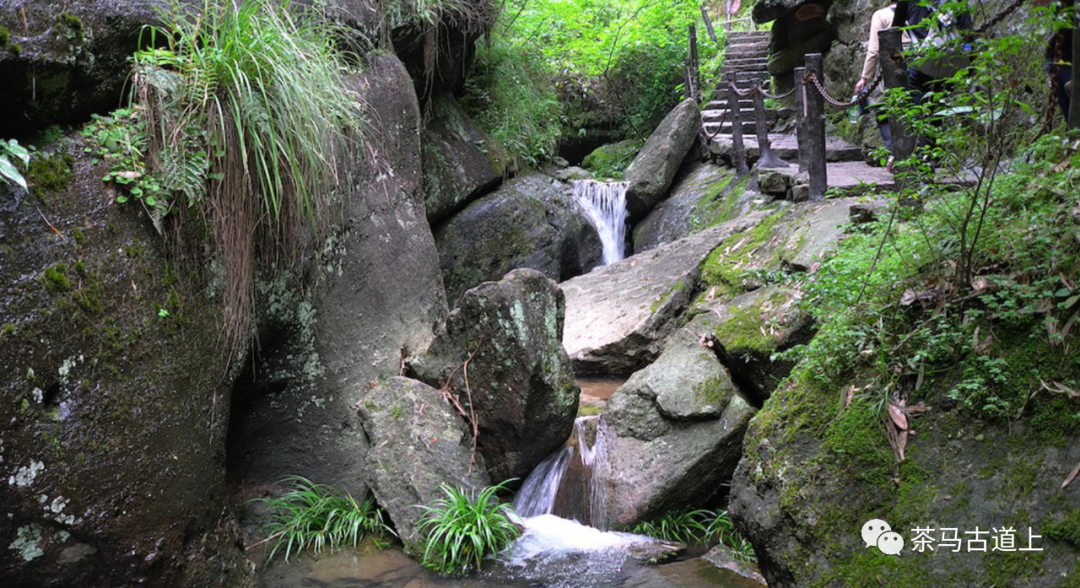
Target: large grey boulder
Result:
[[460, 162], [654, 168], [531, 221], [112, 448], [619, 316], [418, 442], [750, 328], [520, 383], [672, 433], [380, 297]]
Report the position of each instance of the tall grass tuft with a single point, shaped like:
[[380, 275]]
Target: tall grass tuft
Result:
[[246, 103], [463, 528], [317, 516], [699, 526]]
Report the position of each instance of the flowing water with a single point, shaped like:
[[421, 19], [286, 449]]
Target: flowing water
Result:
[[570, 482], [605, 205]]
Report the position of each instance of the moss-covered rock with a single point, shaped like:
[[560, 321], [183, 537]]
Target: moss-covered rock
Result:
[[611, 160], [114, 396]]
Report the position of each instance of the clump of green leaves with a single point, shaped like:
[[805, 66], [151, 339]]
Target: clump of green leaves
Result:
[[9, 172], [464, 527], [318, 517], [698, 526]]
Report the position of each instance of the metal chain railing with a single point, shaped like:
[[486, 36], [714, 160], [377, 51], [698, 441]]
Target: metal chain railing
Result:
[[1000, 16], [811, 77]]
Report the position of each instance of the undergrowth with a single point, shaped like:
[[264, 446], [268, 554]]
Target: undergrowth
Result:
[[698, 526], [317, 517]]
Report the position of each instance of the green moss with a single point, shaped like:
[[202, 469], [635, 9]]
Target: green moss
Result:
[[70, 22], [611, 161], [5, 37], [46, 175], [858, 437], [16, 49], [55, 279], [727, 264], [1067, 529], [585, 410], [663, 297], [716, 391], [721, 202], [79, 235]]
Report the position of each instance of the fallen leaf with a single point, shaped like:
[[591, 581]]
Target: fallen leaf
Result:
[[1072, 476], [898, 417], [979, 284], [850, 395], [917, 409]]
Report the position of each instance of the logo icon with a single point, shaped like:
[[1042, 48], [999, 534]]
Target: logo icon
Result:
[[877, 533]]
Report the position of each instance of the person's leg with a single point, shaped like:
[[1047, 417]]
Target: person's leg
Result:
[[1065, 74]]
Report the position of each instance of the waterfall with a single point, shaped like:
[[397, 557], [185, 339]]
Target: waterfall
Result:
[[568, 483], [605, 205]]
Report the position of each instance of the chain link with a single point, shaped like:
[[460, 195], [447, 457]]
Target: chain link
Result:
[[758, 89], [812, 76]]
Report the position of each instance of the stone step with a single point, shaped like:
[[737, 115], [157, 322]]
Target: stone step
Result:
[[749, 127], [722, 104], [743, 67], [733, 35], [786, 147], [741, 50], [713, 116], [746, 63]]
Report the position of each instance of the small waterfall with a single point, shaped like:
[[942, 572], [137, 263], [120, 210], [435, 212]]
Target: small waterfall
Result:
[[605, 205], [568, 483]]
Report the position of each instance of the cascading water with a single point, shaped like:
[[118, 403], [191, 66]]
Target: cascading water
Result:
[[605, 205], [569, 483]]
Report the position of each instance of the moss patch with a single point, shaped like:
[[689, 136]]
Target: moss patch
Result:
[[611, 161], [49, 174], [728, 264], [1067, 529], [55, 280]]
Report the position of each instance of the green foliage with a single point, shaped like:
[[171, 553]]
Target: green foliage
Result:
[[317, 516], [9, 171], [511, 97], [698, 526], [464, 527], [49, 174], [55, 279], [611, 161]]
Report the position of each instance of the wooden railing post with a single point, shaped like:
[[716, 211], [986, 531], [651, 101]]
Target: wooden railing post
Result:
[[693, 71], [738, 150], [768, 159], [815, 130], [894, 75], [800, 118], [708, 23]]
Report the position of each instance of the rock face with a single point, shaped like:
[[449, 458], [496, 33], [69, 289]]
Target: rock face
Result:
[[529, 222], [112, 452], [418, 442], [654, 168], [810, 479], [460, 163], [619, 316], [366, 316], [672, 433], [520, 381], [702, 196], [749, 328]]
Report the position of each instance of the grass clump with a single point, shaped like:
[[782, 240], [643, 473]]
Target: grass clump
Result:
[[318, 516], [463, 528], [698, 526]]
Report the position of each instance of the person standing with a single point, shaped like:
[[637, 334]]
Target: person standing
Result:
[[879, 21], [924, 20]]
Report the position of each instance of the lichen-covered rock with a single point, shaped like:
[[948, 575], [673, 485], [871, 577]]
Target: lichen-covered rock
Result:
[[813, 475], [619, 316], [380, 297], [418, 442], [672, 433], [114, 398], [460, 163], [749, 328], [520, 382], [530, 222], [654, 168]]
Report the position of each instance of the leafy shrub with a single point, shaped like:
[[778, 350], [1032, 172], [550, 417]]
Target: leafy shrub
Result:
[[463, 528], [698, 526], [8, 171], [317, 516]]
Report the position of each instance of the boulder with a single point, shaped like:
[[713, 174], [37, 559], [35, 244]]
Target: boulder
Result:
[[618, 316], [520, 383], [531, 222], [672, 433], [418, 442], [749, 328], [114, 396], [704, 195], [654, 168], [359, 323], [460, 162]]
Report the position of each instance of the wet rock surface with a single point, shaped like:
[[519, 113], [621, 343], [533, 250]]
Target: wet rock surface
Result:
[[112, 452], [520, 381], [618, 316], [298, 417], [418, 442], [530, 222]]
